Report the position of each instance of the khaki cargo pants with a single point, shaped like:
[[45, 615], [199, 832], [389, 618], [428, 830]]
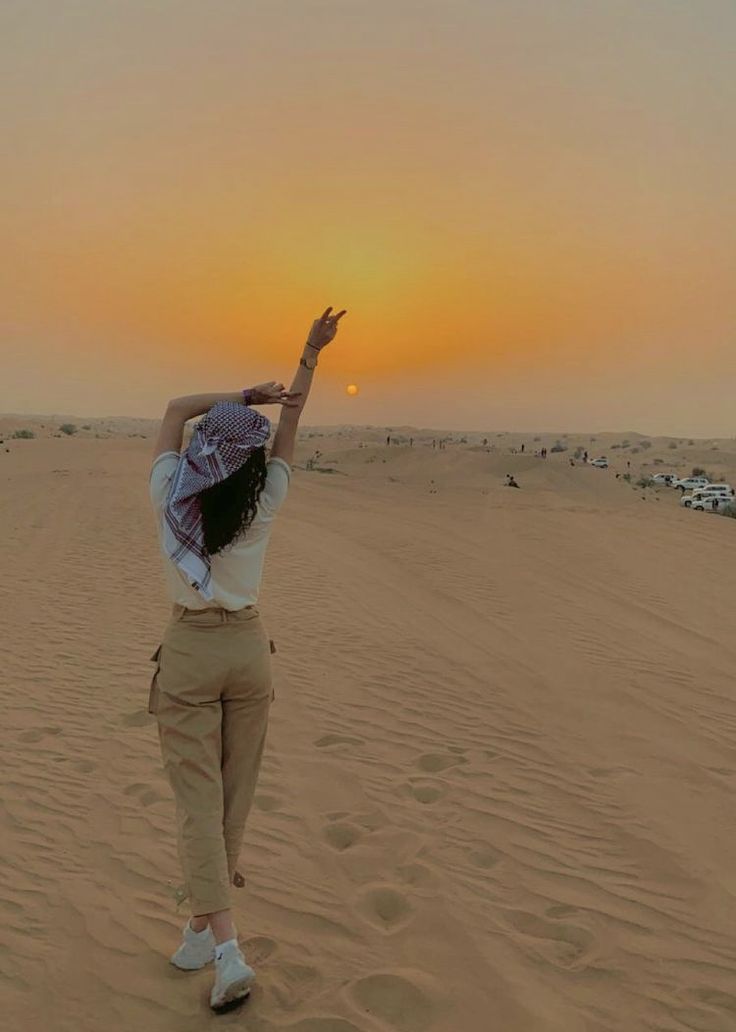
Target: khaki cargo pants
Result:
[[211, 693]]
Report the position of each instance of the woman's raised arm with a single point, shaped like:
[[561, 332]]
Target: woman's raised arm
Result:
[[322, 332]]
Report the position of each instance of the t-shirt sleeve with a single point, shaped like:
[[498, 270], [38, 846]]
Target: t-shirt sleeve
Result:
[[278, 474], [162, 472]]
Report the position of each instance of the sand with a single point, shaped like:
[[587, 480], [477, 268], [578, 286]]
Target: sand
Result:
[[498, 791]]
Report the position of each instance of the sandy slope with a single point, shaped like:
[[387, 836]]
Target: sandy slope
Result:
[[499, 788]]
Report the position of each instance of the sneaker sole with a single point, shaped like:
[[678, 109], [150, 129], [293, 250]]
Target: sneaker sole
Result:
[[235, 992], [197, 967]]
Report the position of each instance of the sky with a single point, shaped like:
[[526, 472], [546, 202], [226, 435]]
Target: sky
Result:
[[527, 207]]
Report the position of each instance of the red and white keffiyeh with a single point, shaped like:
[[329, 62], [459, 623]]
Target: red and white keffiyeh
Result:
[[220, 446]]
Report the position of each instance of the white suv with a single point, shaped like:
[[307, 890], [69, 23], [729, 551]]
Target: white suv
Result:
[[664, 478], [711, 503], [724, 491], [601, 463], [691, 483]]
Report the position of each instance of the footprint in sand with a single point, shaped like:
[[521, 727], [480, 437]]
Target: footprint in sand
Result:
[[394, 1000], [564, 945], [259, 948], [415, 874], [385, 908], [327, 740], [291, 984], [433, 763], [38, 733], [341, 836], [267, 803], [484, 856], [145, 795], [424, 792]]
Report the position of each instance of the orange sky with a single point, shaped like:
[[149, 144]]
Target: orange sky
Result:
[[527, 207]]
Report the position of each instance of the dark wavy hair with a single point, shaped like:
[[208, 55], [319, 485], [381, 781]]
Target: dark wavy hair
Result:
[[228, 508]]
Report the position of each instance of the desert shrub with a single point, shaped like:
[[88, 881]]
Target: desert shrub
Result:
[[88, 427], [578, 453], [627, 478], [691, 443], [626, 444], [659, 462], [641, 482], [698, 471], [714, 448], [645, 444], [635, 451], [615, 446], [68, 429], [23, 435], [558, 446], [593, 439], [537, 438], [672, 444], [729, 510]]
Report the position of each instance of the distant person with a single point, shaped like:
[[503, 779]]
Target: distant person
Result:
[[211, 691], [388, 439], [585, 456], [510, 480], [411, 442], [544, 453], [434, 442], [522, 448]]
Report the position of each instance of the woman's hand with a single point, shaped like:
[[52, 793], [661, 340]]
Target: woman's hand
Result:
[[324, 329], [273, 393]]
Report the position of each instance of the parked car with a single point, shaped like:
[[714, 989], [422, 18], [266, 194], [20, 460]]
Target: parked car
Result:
[[690, 483], [724, 491], [601, 463], [712, 504], [664, 478]]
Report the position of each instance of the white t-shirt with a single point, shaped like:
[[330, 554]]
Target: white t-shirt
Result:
[[236, 572]]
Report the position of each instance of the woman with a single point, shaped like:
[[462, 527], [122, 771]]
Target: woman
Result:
[[211, 692]]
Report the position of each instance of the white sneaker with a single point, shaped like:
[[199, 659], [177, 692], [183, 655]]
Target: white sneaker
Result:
[[233, 977], [196, 951]]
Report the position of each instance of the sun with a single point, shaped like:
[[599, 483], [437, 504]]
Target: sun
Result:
[[351, 389]]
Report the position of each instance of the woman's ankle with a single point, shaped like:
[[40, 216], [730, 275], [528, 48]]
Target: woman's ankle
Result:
[[198, 924]]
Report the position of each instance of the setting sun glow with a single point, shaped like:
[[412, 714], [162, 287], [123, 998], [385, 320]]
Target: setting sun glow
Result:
[[351, 389]]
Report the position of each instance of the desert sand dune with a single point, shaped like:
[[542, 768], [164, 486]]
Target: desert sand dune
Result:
[[498, 792]]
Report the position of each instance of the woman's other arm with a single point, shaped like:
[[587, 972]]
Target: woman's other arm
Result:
[[180, 410], [322, 332]]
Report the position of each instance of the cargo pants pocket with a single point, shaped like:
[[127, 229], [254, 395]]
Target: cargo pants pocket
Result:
[[153, 692]]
